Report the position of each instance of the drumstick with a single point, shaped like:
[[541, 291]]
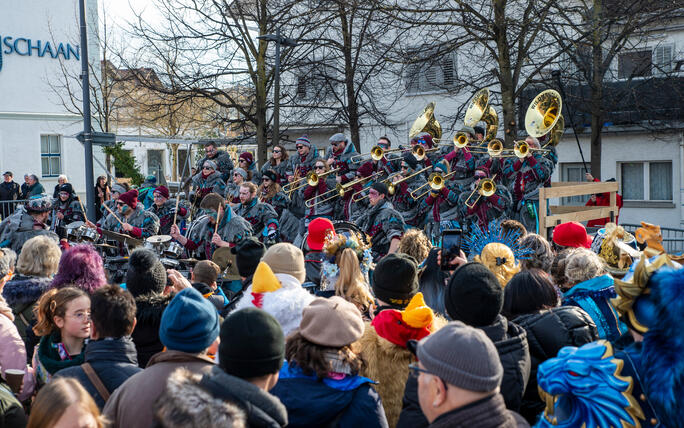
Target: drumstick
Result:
[[175, 213], [218, 218], [112, 213], [85, 216]]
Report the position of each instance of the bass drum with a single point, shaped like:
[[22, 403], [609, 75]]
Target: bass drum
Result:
[[341, 227]]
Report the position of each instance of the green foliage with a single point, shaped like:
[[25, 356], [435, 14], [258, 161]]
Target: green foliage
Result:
[[124, 163]]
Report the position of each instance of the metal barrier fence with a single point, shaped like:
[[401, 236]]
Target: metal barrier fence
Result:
[[673, 239], [8, 207]]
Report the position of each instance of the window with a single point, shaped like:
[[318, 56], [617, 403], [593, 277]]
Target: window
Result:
[[440, 75], [154, 163], [50, 155], [635, 64], [662, 59], [646, 181], [317, 82], [573, 172]]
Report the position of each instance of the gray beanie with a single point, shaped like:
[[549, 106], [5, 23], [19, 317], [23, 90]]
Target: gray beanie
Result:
[[338, 137], [116, 187], [240, 171], [462, 356]]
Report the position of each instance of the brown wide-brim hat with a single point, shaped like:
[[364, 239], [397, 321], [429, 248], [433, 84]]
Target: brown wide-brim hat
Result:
[[332, 322]]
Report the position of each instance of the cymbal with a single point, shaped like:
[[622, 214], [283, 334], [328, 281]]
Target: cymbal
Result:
[[74, 225], [119, 237], [223, 257], [105, 246], [158, 239], [189, 261]]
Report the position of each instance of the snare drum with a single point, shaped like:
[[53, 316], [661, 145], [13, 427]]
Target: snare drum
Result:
[[173, 249], [89, 234]]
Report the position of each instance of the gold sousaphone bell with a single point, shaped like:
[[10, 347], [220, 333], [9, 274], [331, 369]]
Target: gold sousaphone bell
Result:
[[543, 117], [426, 122]]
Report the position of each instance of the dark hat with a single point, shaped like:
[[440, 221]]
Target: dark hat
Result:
[[145, 274], [248, 253], [462, 356], [162, 190], [212, 201], [395, 279], [380, 187], [130, 198], [424, 138], [338, 137], [270, 174], [190, 323], [39, 204], [473, 295], [66, 187], [150, 179], [410, 160], [247, 156], [8, 173], [116, 187], [252, 344]]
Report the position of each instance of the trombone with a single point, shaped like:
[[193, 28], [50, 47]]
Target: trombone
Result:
[[436, 181], [392, 187], [311, 179], [376, 153], [387, 181], [339, 190], [419, 152], [486, 187]]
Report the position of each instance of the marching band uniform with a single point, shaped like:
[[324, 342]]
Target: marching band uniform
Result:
[[223, 162], [166, 212], [440, 207], [206, 183], [302, 164], [280, 170], [251, 167], [70, 210], [402, 199], [382, 223], [232, 228], [324, 209], [431, 158], [145, 223], [232, 194], [21, 226], [262, 217], [485, 209], [342, 158], [462, 164], [279, 200]]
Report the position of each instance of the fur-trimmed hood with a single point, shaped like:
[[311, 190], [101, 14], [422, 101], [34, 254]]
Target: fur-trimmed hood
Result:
[[184, 399], [23, 290], [149, 307]]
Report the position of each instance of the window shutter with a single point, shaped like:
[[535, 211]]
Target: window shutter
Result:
[[662, 59]]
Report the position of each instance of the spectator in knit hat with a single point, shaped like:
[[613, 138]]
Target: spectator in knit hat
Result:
[[395, 281], [474, 297], [320, 383], [318, 229], [279, 286], [189, 330], [459, 374], [146, 280], [110, 352], [247, 162], [251, 354]]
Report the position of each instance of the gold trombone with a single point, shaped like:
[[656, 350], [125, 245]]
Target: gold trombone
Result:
[[311, 179], [339, 190], [376, 153], [387, 181], [486, 187], [392, 187], [436, 181]]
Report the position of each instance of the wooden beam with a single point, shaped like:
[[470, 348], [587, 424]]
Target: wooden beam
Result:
[[562, 209], [580, 189], [542, 212], [580, 216]]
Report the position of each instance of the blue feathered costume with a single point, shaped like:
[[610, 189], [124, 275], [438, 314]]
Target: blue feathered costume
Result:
[[641, 385]]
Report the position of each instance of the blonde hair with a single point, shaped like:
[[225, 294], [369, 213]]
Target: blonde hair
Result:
[[416, 244], [39, 257], [55, 397], [581, 265], [350, 284], [53, 303], [499, 259]]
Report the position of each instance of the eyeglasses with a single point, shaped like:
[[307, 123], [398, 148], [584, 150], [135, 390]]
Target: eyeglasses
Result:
[[243, 160], [81, 316], [120, 204], [404, 167], [416, 370]]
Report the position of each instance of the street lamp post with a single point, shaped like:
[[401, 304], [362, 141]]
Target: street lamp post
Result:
[[87, 130], [285, 41]]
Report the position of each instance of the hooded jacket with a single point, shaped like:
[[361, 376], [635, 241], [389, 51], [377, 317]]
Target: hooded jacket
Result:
[[343, 161], [149, 309], [547, 332], [22, 293], [351, 402], [113, 360], [262, 409]]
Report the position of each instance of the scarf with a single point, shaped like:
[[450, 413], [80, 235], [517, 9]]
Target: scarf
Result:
[[53, 356]]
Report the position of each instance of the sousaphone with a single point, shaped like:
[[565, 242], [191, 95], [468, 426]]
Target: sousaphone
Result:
[[479, 110], [426, 122]]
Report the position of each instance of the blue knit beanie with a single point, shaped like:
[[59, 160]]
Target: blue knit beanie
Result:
[[189, 323]]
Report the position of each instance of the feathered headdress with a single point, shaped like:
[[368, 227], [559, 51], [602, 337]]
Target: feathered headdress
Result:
[[335, 244], [479, 238]]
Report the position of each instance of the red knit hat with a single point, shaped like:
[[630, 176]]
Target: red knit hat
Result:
[[130, 198], [572, 234], [247, 156], [162, 190], [318, 230], [399, 327]]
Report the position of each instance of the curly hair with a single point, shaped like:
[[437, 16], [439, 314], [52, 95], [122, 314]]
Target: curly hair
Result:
[[541, 256], [39, 257], [53, 303], [499, 259], [311, 358], [582, 265], [416, 244], [80, 266]]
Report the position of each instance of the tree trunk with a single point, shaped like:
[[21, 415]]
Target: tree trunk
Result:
[[174, 162], [352, 104], [505, 74], [596, 92], [261, 123]]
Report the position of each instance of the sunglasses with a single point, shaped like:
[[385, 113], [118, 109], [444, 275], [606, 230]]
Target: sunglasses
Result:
[[319, 167], [277, 151], [243, 160], [120, 204], [300, 147], [208, 168]]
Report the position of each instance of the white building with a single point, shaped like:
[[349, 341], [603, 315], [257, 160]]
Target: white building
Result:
[[36, 130]]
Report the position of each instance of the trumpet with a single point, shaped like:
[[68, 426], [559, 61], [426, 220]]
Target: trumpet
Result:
[[486, 187], [436, 181], [339, 190], [311, 180], [376, 153]]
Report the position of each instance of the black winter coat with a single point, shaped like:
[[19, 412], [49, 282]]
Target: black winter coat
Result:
[[547, 332], [149, 309], [313, 261], [114, 361], [511, 343]]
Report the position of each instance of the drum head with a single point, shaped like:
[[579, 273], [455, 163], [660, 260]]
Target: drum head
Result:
[[74, 225], [223, 257]]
